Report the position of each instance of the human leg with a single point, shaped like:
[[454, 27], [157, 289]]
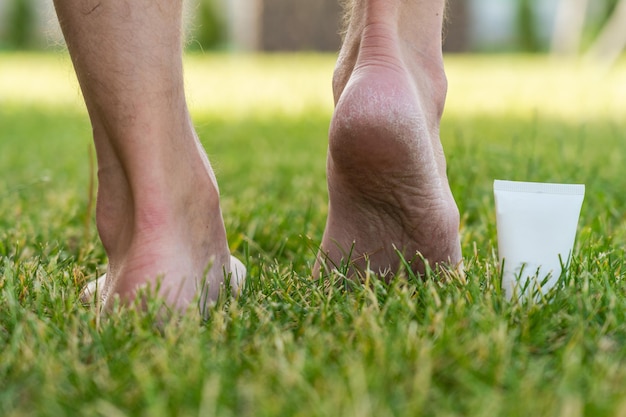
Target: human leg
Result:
[[387, 182], [158, 212]]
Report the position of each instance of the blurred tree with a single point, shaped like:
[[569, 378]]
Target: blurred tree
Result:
[[528, 40], [21, 25], [612, 39], [608, 8], [210, 32], [568, 26], [608, 31]]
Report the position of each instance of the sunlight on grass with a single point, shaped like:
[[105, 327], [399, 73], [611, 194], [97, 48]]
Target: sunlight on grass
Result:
[[436, 345], [228, 85], [525, 86], [46, 80], [239, 85]]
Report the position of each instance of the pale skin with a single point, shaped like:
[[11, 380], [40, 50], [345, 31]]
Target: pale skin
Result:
[[158, 212], [387, 182]]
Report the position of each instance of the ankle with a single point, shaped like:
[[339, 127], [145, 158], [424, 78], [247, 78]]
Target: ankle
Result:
[[183, 202]]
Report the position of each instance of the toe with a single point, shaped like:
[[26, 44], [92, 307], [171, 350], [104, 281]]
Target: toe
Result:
[[93, 290], [238, 275]]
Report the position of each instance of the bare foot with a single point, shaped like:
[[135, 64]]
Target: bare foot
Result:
[[168, 236], [387, 181], [93, 292], [158, 211]]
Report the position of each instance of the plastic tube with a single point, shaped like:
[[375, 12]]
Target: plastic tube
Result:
[[536, 226]]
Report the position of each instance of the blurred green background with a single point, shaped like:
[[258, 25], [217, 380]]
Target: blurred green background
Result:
[[571, 27]]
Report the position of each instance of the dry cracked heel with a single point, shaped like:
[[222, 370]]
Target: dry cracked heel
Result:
[[92, 292]]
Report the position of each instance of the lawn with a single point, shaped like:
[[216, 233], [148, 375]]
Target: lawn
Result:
[[436, 346]]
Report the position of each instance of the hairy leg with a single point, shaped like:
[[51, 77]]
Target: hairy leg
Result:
[[158, 212], [386, 169]]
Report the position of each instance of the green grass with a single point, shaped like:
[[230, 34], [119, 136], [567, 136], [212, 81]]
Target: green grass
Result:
[[435, 346]]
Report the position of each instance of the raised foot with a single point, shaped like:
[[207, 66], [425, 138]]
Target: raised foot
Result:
[[387, 182]]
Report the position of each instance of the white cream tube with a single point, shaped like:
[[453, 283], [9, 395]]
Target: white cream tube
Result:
[[536, 226]]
